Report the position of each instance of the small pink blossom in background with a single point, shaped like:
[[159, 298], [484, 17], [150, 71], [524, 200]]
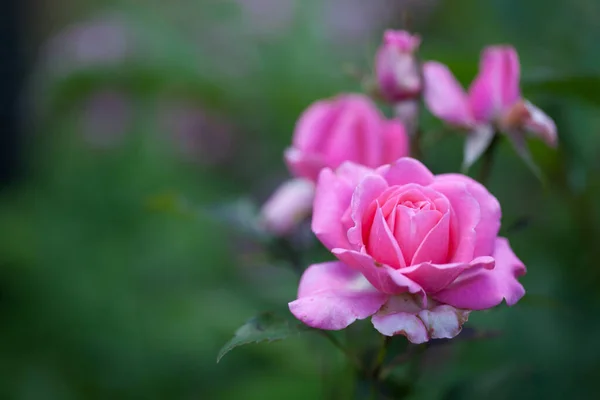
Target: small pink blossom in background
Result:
[[200, 136], [290, 204], [417, 252], [106, 118], [396, 66], [346, 128], [104, 40], [493, 102]]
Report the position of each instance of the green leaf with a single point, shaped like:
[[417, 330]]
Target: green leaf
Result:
[[266, 326]]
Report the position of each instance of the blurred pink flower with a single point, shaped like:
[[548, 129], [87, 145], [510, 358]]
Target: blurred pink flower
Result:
[[201, 136], [396, 66], [106, 117], [493, 103], [288, 206], [104, 40], [345, 128], [417, 252]]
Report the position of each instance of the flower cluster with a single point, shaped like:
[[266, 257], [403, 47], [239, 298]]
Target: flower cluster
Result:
[[416, 252]]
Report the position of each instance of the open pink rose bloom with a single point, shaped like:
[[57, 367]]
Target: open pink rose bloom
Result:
[[417, 252]]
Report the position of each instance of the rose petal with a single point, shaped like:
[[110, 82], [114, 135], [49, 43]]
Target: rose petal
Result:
[[435, 277], [443, 322], [401, 323], [444, 96], [489, 213], [481, 289], [396, 141], [434, 247], [367, 191], [382, 245], [497, 86], [411, 227], [465, 218], [332, 199], [476, 143], [378, 274], [332, 296], [304, 165], [406, 170]]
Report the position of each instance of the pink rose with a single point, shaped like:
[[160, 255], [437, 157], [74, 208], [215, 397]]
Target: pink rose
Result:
[[345, 128], [417, 252], [493, 103], [397, 67]]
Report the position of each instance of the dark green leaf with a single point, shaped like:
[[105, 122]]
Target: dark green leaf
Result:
[[266, 326]]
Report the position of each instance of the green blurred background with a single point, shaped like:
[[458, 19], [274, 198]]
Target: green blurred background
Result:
[[108, 290]]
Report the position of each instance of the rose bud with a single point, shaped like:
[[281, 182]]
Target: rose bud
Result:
[[288, 206], [346, 128], [417, 252], [397, 68]]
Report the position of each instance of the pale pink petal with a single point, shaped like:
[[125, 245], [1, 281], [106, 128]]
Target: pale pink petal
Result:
[[541, 125], [444, 96], [496, 87], [367, 191], [382, 245], [477, 142], [406, 170], [401, 323], [435, 277], [443, 322], [404, 315], [332, 296], [332, 199], [304, 165], [479, 289], [290, 204], [489, 212], [465, 218]]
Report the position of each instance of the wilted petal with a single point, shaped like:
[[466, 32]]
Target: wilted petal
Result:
[[481, 289], [444, 96], [444, 321], [331, 296], [401, 323], [476, 143]]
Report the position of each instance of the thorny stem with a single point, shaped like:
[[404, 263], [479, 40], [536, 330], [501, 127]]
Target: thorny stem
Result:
[[488, 160]]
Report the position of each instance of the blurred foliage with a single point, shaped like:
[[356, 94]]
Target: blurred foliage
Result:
[[103, 296]]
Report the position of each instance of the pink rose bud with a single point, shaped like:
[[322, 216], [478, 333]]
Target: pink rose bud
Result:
[[396, 67], [346, 128], [289, 205], [493, 103], [416, 252]]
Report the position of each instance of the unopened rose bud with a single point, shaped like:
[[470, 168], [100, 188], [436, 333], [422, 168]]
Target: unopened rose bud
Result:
[[288, 206], [347, 127], [396, 66]]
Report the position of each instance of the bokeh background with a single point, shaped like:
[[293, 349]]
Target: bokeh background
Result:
[[131, 130]]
